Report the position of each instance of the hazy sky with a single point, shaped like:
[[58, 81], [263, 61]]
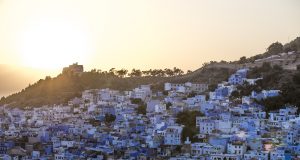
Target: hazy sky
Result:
[[141, 34]]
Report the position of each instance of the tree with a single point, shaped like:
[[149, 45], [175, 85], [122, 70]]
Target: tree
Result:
[[177, 71], [141, 109], [277, 67], [136, 101], [112, 71], [212, 87], [168, 105], [189, 71], [109, 118], [224, 62], [235, 94], [293, 45], [266, 66], [122, 72], [135, 73], [169, 72], [165, 93], [243, 60], [188, 119], [298, 67], [154, 72], [161, 73], [275, 48], [48, 78], [146, 73]]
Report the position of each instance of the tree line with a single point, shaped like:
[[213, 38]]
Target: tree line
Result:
[[167, 72], [274, 49]]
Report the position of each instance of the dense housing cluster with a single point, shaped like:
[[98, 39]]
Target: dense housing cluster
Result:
[[141, 124]]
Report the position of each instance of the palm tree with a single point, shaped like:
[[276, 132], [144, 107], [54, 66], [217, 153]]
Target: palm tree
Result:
[[146, 73], [135, 73], [112, 71], [154, 72], [122, 72], [177, 71], [161, 72], [188, 71], [169, 72]]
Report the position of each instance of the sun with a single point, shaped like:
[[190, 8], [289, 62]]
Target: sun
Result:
[[52, 45]]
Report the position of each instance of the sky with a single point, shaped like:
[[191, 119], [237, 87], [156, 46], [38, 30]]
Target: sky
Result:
[[51, 34]]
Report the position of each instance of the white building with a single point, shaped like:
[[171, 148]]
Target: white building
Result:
[[283, 115], [59, 157], [265, 94], [225, 126], [198, 149], [277, 154], [90, 95], [107, 95], [186, 87], [206, 126], [173, 135], [239, 77], [225, 157], [261, 155], [143, 92], [236, 147]]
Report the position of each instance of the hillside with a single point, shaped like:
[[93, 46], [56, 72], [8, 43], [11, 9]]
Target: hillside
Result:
[[66, 86], [274, 77], [287, 56]]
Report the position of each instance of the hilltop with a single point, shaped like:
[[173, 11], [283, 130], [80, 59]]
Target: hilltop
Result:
[[287, 56]]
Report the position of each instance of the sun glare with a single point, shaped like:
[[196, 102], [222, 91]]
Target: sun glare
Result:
[[52, 45]]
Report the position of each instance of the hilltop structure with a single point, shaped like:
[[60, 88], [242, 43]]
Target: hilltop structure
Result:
[[73, 68]]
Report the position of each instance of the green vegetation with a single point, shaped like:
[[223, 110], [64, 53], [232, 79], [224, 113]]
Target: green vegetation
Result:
[[293, 45], [141, 109], [151, 72], [94, 122], [290, 95], [274, 77], [136, 101], [188, 119], [168, 105], [109, 118], [274, 49]]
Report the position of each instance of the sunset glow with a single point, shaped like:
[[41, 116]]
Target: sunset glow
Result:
[[53, 44], [141, 34]]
